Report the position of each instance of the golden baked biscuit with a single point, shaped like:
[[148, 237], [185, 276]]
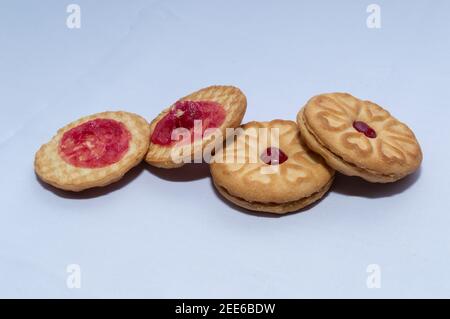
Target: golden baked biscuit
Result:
[[218, 107], [95, 150], [257, 173], [359, 138]]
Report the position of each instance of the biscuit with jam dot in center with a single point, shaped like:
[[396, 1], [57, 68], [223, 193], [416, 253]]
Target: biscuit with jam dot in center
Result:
[[359, 138], [261, 173]]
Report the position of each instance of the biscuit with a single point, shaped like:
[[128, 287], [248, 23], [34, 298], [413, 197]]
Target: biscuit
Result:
[[95, 150], [359, 138], [218, 107], [246, 174]]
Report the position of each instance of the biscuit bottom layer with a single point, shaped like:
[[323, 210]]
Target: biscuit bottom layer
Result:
[[276, 208], [350, 168]]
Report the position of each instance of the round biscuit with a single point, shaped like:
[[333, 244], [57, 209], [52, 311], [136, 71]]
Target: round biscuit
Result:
[[232, 100], [242, 177], [326, 124], [52, 169]]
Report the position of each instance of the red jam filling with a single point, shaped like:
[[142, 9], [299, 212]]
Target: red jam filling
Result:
[[362, 127], [183, 114], [273, 156], [94, 144]]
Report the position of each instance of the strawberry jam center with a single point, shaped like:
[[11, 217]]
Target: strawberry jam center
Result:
[[273, 156], [94, 144], [183, 115], [362, 127]]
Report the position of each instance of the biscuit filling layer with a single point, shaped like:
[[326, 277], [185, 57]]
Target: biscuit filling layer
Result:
[[95, 144], [183, 115], [273, 156], [364, 128]]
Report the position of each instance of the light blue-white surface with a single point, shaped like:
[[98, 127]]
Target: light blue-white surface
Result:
[[168, 234]]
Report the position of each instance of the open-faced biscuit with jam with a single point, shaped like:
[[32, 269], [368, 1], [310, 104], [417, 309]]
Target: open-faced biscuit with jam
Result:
[[212, 109], [260, 172], [359, 138], [93, 151]]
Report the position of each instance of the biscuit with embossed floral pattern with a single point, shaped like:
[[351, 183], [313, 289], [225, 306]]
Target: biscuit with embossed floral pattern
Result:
[[359, 138], [286, 180]]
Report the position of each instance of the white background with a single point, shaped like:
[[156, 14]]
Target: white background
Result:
[[167, 233]]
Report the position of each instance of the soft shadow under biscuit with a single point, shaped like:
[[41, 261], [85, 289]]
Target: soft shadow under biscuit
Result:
[[186, 173], [354, 186]]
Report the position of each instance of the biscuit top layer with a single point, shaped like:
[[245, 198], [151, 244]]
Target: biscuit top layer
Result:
[[243, 173], [378, 142]]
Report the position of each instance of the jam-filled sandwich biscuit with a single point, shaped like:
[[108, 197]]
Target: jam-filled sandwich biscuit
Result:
[[214, 107], [359, 138], [255, 173], [93, 151]]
